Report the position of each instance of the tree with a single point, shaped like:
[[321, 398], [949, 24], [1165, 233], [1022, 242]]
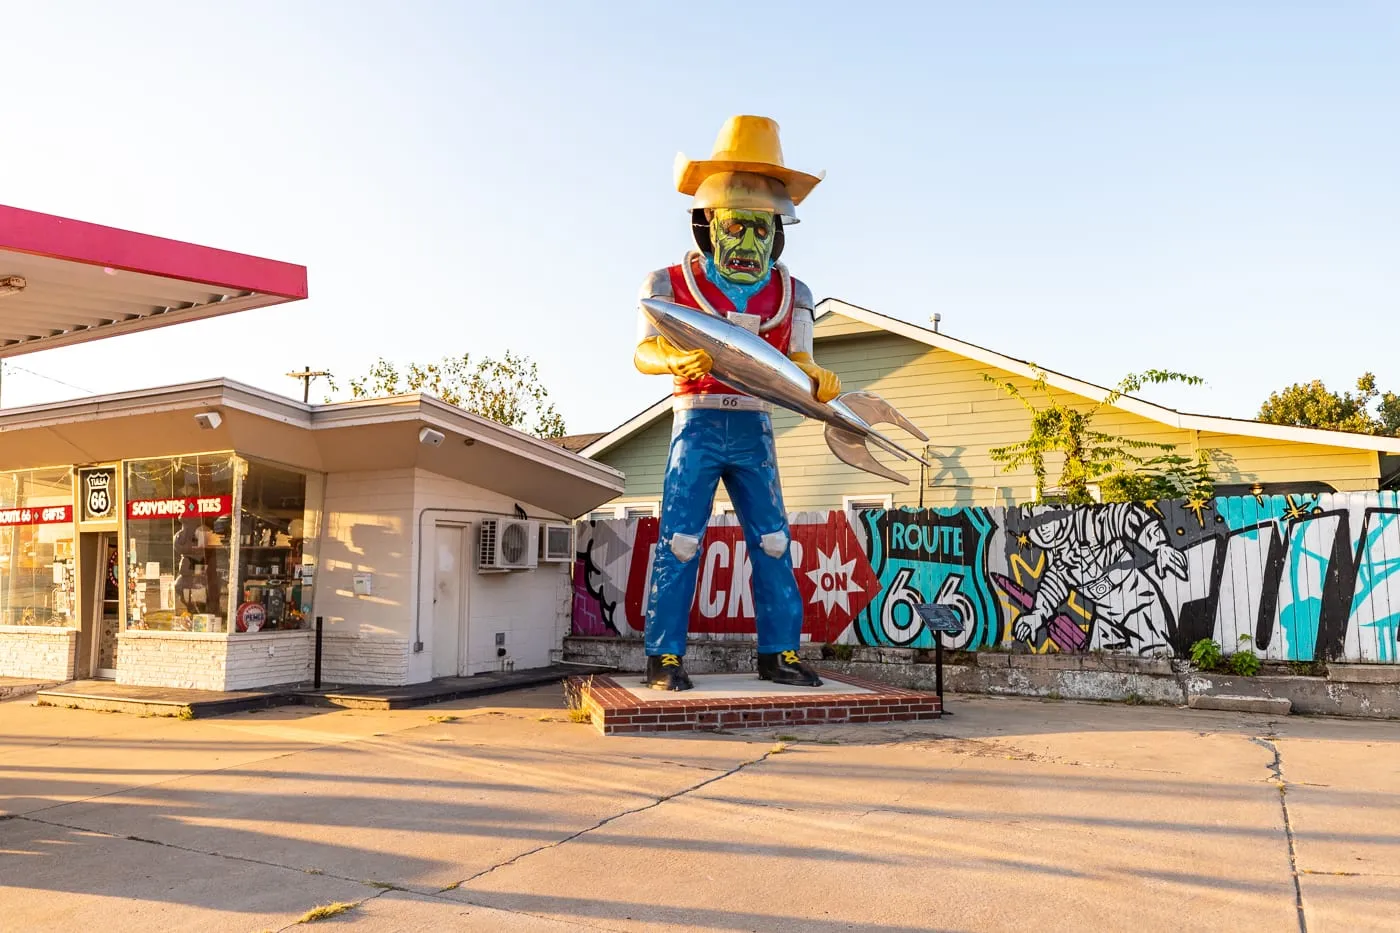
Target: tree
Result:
[[1089, 455], [506, 390], [1167, 476], [1313, 405]]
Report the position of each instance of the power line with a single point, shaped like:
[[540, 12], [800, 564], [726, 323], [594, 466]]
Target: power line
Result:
[[31, 372]]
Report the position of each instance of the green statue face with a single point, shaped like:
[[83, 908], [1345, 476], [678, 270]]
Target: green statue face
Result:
[[743, 242]]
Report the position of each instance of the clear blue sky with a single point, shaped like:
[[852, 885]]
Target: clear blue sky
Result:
[[1210, 187]]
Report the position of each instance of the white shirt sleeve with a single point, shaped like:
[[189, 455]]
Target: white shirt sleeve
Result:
[[803, 321], [657, 285]]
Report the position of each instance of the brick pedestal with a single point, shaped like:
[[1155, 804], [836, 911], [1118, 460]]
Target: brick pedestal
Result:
[[614, 709]]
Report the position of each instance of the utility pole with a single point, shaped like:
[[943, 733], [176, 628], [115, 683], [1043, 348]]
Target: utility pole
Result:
[[306, 375]]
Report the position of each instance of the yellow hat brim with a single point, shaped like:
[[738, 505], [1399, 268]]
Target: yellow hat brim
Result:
[[690, 173]]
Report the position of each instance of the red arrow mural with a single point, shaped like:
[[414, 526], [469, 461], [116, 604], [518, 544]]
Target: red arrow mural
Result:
[[833, 575]]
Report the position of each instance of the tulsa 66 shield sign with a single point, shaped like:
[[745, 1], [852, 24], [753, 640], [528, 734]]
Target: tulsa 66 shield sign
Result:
[[99, 492]]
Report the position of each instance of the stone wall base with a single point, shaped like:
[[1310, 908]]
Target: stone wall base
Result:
[[368, 660], [1374, 694], [211, 661], [49, 654]]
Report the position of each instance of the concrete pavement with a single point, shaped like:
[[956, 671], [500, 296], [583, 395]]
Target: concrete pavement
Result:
[[1011, 815]]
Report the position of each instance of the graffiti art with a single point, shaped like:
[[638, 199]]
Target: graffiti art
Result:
[[1297, 578]]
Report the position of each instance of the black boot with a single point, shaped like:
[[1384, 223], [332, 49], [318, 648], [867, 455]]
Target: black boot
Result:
[[665, 672], [785, 667]]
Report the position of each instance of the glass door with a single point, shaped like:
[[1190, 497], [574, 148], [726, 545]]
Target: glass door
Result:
[[107, 609]]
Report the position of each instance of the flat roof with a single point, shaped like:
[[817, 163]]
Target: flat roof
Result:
[[65, 281], [358, 436]]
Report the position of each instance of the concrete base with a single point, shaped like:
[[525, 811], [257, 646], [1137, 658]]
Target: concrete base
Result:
[[106, 696], [1277, 706], [1364, 673], [442, 690], [11, 687], [1365, 691]]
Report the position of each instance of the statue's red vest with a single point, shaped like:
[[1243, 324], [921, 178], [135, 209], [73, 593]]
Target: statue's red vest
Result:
[[765, 304]]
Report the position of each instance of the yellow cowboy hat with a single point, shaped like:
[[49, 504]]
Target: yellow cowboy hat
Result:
[[745, 144]]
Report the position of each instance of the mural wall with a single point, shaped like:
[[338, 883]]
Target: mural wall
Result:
[[1304, 577]]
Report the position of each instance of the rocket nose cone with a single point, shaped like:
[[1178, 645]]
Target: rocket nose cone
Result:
[[659, 310]]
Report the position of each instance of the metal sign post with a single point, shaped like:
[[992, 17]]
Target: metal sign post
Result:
[[940, 621]]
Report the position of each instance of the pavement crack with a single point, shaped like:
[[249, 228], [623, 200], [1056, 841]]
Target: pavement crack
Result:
[[1276, 767], [221, 855], [616, 816]]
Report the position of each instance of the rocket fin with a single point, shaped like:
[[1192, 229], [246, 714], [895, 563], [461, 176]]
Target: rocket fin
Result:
[[849, 447], [875, 410]]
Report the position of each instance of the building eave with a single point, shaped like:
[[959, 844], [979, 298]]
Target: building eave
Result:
[[1158, 413]]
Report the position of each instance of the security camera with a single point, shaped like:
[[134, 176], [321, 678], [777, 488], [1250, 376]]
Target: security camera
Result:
[[209, 420], [431, 437]]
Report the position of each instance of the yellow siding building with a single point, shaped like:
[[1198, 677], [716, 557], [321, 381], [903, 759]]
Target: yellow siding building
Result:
[[937, 381]]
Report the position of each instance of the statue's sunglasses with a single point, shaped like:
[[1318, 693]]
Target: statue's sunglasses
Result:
[[736, 227]]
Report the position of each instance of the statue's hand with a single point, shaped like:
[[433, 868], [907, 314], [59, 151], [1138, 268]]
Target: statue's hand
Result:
[[826, 385], [655, 356], [689, 364]]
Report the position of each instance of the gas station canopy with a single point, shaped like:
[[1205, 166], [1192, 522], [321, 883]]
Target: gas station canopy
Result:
[[64, 282]]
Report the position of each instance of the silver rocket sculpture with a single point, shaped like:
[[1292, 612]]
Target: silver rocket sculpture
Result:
[[747, 362]]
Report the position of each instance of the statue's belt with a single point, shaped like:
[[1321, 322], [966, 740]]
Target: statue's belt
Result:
[[720, 402]]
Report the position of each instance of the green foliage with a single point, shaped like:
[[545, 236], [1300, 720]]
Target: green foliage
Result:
[[1244, 663], [506, 390], [1206, 654], [1313, 405], [1168, 476], [1089, 455]]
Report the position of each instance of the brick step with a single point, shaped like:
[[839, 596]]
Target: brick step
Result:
[[617, 706]]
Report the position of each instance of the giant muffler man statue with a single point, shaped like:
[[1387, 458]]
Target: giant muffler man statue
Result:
[[734, 329]]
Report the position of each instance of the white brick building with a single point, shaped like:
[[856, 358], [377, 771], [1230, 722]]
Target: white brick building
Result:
[[207, 526]]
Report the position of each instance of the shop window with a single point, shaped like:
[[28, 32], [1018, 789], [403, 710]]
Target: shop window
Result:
[[630, 510], [179, 532], [854, 505], [278, 522], [37, 567]]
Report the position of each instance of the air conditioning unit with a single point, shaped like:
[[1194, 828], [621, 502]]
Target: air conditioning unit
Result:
[[556, 542], [507, 544]]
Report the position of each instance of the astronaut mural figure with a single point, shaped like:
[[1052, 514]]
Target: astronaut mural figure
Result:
[[744, 197], [1091, 550]]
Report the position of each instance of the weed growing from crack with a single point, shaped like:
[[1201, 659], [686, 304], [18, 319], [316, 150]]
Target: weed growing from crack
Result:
[[785, 738], [325, 911], [576, 693]]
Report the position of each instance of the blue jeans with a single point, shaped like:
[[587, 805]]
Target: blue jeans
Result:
[[709, 445]]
